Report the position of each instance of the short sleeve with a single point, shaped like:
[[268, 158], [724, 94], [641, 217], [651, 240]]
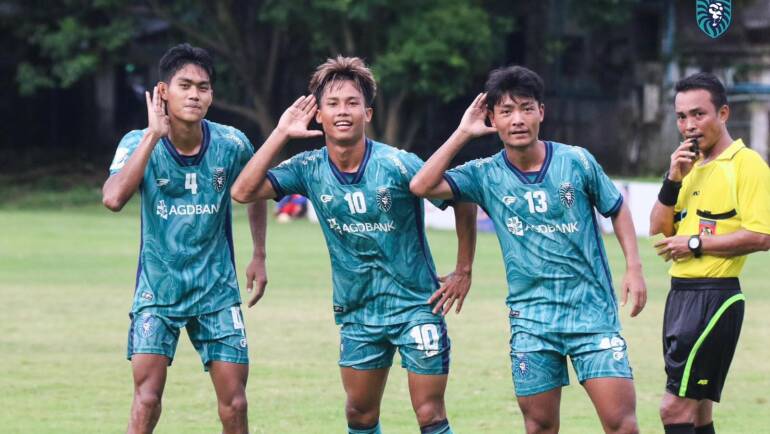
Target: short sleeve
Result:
[[289, 176], [601, 190], [126, 148], [412, 164], [754, 194], [465, 182], [245, 150]]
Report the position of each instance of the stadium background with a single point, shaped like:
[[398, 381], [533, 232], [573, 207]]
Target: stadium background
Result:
[[74, 73]]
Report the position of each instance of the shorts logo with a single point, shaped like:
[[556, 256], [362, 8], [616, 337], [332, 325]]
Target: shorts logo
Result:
[[703, 382], [707, 227], [567, 194], [514, 313], [515, 226], [162, 210], [147, 295], [218, 179], [160, 182], [147, 325], [522, 367], [509, 200], [244, 344], [339, 309], [326, 198], [713, 16], [384, 200], [616, 343], [618, 355]]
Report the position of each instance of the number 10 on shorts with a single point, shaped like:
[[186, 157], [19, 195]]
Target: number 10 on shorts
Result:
[[426, 336]]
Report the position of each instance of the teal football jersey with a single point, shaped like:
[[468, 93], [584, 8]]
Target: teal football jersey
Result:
[[382, 269], [555, 263], [186, 261]]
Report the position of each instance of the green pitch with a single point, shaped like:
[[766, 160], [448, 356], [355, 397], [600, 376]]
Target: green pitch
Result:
[[66, 280]]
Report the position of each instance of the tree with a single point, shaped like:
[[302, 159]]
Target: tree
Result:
[[419, 50]]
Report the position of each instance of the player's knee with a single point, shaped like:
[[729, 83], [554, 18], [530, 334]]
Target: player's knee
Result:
[[672, 412], [623, 425], [430, 412], [234, 407], [361, 416], [535, 425], [148, 401]]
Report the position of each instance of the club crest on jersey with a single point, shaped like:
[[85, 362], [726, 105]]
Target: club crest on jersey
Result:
[[162, 210], [384, 200], [567, 194], [218, 179], [713, 16]]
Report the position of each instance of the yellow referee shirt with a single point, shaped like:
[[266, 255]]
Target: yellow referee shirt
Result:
[[729, 193]]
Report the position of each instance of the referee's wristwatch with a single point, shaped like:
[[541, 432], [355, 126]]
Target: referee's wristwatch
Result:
[[695, 246]]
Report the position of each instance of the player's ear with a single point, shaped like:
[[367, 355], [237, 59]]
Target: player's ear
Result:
[[318, 114], [163, 90], [368, 114], [491, 116], [542, 111]]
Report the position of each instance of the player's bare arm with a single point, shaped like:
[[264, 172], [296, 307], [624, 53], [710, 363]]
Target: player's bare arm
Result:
[[429, 181], [119, 188], [252, 184], [455, 285], [256, 272], [682, 162], [633, 279]]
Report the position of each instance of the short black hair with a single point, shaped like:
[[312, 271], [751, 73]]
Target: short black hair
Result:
[[184, 54], [513, 81], [706, 81]]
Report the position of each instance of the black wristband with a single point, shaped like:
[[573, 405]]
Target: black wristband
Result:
[[669, 191]]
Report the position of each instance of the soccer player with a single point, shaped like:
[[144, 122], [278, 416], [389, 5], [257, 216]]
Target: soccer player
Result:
[[541, 197], [714, 209], [383, 276], [183, 166]]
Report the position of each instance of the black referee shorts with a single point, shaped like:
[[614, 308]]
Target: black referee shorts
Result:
[[701, 326]]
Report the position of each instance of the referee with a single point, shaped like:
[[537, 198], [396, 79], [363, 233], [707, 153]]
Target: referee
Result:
[[714, 209]]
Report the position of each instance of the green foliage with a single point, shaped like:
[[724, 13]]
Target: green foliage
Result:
[[602, 13], [68, 40]]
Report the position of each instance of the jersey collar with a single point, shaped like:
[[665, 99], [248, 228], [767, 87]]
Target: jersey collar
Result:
[[731, 150], [361, 167], [178, 157], [540, 173]]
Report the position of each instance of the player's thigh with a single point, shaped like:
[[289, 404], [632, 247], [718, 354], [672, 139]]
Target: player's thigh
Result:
[[220, 336], [537, 364], [151, 333], [614, 400], [427, 394], [364, 388], [541, 410], [229, 380], [149, 372], [424, 346]]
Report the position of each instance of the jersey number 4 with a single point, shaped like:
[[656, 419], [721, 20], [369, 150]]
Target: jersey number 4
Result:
[[191, 182]]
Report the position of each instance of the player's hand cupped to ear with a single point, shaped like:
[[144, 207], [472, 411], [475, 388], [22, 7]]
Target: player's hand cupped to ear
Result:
[[454, 288], [256, 280]]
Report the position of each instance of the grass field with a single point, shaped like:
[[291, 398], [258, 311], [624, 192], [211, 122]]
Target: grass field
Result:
[[66, 281]]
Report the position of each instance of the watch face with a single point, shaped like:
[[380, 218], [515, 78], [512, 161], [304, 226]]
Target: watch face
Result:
[[694, 243]]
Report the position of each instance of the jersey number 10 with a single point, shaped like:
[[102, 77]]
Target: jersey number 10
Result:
[[356, 202]]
